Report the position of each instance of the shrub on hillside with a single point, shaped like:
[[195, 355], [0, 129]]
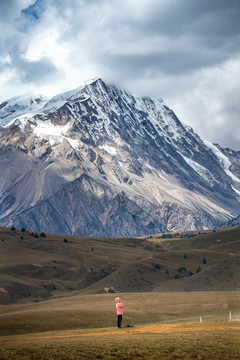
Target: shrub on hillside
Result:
[[34, 235], [181, 269], [166, 236], [177, 276]]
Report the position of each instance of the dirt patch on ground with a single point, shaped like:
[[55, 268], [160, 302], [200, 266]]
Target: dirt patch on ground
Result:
[[150, 329], [4, 291]]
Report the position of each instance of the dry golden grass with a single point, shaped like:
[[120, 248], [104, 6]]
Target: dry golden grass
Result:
[[215, 341], [92, 311], [166, 326]]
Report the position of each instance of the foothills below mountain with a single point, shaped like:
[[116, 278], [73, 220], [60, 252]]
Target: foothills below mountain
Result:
[[97, 161], [39, 266]]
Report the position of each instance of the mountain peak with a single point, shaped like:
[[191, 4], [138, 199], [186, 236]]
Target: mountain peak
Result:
[[92, 81], [99, 161]]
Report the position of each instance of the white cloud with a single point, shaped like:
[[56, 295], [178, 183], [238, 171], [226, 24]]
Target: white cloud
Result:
[[5, 59], [210, 104], [184, 52]]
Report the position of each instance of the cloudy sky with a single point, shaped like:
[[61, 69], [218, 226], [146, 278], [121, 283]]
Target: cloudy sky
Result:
[[184, 51]]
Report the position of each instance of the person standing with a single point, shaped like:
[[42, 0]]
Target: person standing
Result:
[[119, 307]]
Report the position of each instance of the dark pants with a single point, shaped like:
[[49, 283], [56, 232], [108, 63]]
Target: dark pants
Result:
[[119, 322]]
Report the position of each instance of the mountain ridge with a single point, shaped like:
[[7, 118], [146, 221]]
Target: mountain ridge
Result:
[[132, 151], [20, 105]]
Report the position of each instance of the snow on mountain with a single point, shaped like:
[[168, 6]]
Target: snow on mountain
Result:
[[59, 100], [223, 159], [100, 161], [20, 105], [46, 130]]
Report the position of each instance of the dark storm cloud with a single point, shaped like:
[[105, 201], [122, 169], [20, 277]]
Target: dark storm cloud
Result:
[[168, 62], [38, 72], [199, 34], [207, 19]]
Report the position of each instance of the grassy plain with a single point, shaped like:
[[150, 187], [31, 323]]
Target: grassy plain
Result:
[[165, 326], [98, 311], [184, 342]]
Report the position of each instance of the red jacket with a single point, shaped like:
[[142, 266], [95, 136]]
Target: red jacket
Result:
[[119, 306]]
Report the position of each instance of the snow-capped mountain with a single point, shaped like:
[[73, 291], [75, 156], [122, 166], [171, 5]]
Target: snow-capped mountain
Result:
[[98, 161], [20, 105]]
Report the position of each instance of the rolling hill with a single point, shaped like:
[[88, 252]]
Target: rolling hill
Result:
[[39, 266]]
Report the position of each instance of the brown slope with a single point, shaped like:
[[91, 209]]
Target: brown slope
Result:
[[36, 267]]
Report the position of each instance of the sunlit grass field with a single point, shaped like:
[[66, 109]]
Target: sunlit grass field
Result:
[[219, 342], [165, 326]]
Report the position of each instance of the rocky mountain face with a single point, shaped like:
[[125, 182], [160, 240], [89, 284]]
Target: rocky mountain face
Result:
[[98, 161], [232, 223]]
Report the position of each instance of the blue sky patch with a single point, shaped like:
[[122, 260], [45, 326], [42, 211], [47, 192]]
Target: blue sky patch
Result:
[[34, 11]]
